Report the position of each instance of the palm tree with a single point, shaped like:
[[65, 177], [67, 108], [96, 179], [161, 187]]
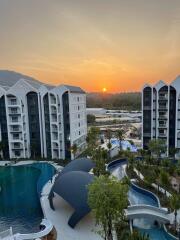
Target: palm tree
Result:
[[175, 205], [173, 151], [74, 149], [157, 147], [164, 179], [2, 145], [138, 236], [108, 136], [120, 136], [34, 150], [100, 159]]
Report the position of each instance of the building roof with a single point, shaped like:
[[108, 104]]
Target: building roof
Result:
[[74, 89], [10, 78]]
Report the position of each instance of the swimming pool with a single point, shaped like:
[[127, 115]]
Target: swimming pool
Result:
[[124, 144], [20, 188], [137, 196]]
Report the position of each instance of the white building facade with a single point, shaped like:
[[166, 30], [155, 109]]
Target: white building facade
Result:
[[161, 114], [38, 120]]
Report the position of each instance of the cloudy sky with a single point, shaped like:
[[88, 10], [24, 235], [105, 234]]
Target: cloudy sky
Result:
[[117, 44]]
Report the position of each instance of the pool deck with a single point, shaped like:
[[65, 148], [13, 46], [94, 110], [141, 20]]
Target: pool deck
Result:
[[59, 218]]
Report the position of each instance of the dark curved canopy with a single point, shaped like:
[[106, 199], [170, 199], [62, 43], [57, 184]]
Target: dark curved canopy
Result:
[[80, 164], [71, 185]]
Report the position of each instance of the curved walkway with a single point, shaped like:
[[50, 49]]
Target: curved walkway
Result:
[[47, 229]]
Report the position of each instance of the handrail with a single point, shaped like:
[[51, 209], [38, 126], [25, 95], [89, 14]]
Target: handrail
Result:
[[147, 210], [148, 207], [48, 227]]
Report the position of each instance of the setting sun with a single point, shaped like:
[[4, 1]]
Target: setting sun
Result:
[[104, 89]]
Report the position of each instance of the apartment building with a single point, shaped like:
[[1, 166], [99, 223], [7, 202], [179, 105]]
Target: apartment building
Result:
[[40, 120], [161, 113]]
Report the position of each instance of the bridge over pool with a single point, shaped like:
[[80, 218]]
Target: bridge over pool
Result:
[[147, 211]]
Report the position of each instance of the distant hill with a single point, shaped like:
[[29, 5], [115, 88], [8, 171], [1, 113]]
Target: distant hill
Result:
[[125, 101]]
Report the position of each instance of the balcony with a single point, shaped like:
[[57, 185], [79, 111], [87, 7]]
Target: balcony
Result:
[[53, 111], [164, 98], [163, 107], [162, 116], [162, 126], [53, 119], [14, 112], [163, 135], [146, 107], [12, 102], [146, 134], [14, 130], [54, 129], [19, 147]]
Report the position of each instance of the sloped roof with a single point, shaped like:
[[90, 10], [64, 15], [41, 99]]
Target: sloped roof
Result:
[[9, 78], [74, 89]]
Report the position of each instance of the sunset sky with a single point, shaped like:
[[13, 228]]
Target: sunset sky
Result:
[[114, 44]]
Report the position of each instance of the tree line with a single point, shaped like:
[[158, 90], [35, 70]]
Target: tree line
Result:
[[124, 101]]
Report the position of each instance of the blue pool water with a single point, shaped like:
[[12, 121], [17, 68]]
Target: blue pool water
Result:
[[19, 196], [144, 225], [125, 144]]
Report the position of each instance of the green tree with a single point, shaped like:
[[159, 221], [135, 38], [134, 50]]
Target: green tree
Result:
[[2, 146], [175, 205], [100, 159], [150, 178], [109, 136], [157, 147], [91, 119], [120, 135], [92, 139], [74, 149], [138, 236], [173, 151], [34, 150], [164, 179], [107, 197]]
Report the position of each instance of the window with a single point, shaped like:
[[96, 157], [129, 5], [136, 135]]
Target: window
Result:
[[16, 136], [13, 101], [16, 145], [17, 153], [14, 119]]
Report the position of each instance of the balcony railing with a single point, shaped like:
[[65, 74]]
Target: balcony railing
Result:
[[163, 97], [17, 147], [162, 135], [162, 126], [162, 117], [14, 112], [53, 112], [163, 107], [12, 103], [146, 134]]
